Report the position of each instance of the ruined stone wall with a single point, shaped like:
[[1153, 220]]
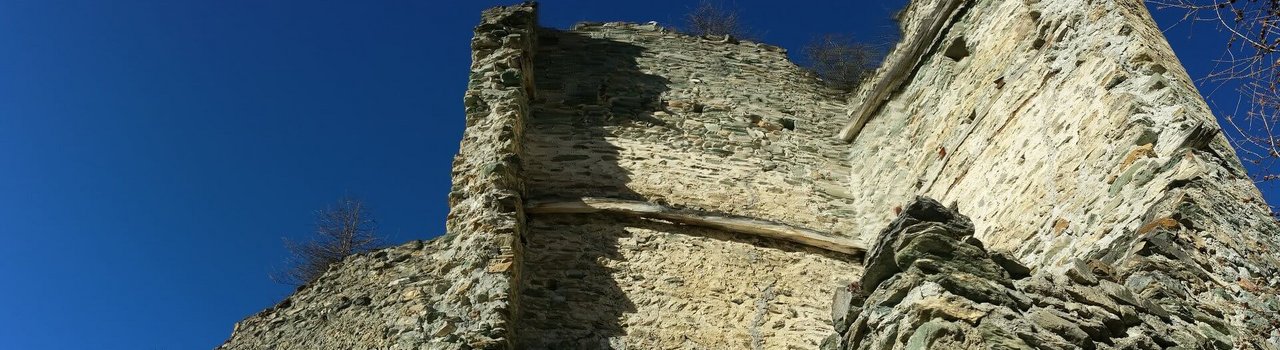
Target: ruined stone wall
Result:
[[1055, 124], [459, 290], [404, 297], [1070, 134], [620, 111], [1104, 209], [639, 112]]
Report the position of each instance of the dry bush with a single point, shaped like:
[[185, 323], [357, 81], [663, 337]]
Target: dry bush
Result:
[[712, 19], [341, 230], [841, 61], [1250, 65]]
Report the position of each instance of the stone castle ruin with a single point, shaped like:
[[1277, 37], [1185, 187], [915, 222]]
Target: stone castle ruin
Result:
[[1019, 174]]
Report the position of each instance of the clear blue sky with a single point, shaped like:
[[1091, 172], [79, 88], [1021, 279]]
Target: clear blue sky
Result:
[[153, 153]]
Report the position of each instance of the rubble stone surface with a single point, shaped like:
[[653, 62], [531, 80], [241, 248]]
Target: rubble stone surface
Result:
[[929, 284], [1085, 198]]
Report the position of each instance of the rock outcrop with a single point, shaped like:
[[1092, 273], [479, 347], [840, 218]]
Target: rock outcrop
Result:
[[929, 284]]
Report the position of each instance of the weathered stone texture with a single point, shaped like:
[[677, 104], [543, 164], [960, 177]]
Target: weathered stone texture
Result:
[[639, 112], [395, 298], [638, 284], [1105, 209], [930, 284], [1073, 137], [460, 294], [1064, 125]]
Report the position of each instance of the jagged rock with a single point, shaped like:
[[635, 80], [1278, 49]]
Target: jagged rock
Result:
[[1053, 322], [929, 334], [1080, 273], [842, 310], [940, 292], [1011, 265], [933, 218]]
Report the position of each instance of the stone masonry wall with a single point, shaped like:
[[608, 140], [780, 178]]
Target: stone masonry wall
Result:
[[1105, 209], [402, 298], [615, 282], [457, 291], [639, 112], [1071, 135], [1056, 124], [486, 201]]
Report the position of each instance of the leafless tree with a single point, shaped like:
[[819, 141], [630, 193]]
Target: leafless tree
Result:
[[343, 229], [1250, 64], [840, 60], [713, 19]]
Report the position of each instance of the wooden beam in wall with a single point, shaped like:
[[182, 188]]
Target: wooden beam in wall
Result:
[[736, 224]]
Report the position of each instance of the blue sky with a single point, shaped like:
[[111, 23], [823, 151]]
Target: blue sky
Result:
[[153, 153]]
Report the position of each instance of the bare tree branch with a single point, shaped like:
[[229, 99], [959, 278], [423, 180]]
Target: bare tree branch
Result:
[[712, 19], [1250, 64], [343, 229], [841, 61]]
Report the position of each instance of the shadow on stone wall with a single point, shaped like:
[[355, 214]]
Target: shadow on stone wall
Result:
[[594, 103], [588, 90]]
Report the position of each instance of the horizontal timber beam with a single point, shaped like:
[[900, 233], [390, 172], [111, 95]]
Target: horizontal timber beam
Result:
[[736, 224]]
